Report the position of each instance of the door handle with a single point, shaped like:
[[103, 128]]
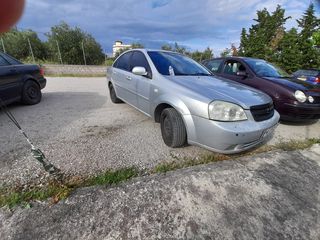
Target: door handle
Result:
[[128, 78]]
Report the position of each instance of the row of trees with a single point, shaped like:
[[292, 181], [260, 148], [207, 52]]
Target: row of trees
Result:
[[196, 55], [64, 44], [290, 49]]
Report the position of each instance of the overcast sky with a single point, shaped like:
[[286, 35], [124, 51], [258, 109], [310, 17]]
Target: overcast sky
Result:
[[192, 23]]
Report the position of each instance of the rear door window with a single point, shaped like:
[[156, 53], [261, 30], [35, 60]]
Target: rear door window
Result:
[[123, 62]]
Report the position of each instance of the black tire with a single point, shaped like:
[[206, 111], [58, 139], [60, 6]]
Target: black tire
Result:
[[113, 95], [31, 93], [173, 130]]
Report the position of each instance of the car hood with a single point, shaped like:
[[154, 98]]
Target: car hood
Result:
[[295, 84], [216, 88]]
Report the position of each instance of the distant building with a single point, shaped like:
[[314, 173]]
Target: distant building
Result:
[[118, 45]]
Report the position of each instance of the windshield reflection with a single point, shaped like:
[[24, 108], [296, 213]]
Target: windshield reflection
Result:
[[265, 69]]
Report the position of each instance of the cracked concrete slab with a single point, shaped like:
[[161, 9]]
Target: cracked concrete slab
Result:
[[273, 195]]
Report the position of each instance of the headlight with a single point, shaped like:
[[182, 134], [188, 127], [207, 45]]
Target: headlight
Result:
[[311, 99], [225, 111], [300, 96]]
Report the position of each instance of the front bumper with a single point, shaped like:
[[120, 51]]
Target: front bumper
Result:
[[232, 137], [300, 111]]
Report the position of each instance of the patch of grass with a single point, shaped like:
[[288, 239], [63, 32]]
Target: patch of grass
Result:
[[112, 177], [58, 191], [214, 157], [189, 162], [297, 144], [14, 197]]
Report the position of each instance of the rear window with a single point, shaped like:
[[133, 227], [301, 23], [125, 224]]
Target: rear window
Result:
[[311, 73], [213, 65], [3, 62], [11, 60]]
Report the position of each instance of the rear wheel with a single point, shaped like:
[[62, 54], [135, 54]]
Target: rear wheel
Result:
[[173, 130], [31, 93], [113, 95]]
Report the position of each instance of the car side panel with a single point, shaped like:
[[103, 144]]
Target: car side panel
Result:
[[143, 93], [125, 85], [10, 83]]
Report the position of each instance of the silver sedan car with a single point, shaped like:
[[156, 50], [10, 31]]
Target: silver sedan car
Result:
[[191, 104]]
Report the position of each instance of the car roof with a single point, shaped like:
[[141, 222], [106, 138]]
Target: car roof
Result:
[[150, 50], [236, 57]]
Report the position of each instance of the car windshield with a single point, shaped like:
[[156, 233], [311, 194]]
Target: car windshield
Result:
[[265, 69], [168, 63]]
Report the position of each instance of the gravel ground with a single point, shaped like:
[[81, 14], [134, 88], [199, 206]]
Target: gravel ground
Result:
[[82, 132]]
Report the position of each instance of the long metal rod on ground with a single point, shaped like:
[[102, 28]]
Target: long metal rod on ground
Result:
[[36, 152], [31, 51]]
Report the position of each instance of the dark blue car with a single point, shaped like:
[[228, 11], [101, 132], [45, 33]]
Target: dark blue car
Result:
[[20, 82], [311, 75]]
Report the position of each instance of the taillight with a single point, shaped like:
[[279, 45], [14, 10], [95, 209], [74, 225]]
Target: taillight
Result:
[[41, 71], [317, 80]]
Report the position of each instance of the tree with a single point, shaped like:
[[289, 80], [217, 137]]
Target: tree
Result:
[[167, 47], [180, 49], [70, 42], [234, 50], [316, 39], [226, 52], [308, 24], [243, 42], [17, 44], [200, 56], [133, 46], [290, 55], [263, 37]]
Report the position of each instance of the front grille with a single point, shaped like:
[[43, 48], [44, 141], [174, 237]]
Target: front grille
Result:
[[316, 99], [262, 112]]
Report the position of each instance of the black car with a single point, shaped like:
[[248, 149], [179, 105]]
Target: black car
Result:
[[294, 99], [20, 82]]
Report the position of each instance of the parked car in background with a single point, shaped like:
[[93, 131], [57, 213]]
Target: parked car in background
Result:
[[20, 82], [294, 99], [310, 75], [191, 105]]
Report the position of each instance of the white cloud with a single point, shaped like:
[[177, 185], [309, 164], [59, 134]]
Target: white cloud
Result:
[[195, 23]]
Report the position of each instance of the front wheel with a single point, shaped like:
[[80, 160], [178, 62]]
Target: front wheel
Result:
[[31, 93], [113, 95], [173, 130]]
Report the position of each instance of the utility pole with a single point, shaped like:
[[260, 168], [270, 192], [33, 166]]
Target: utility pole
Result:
[[31, 50], [84, 55], [59, 52], [4, 49], [105, 56]]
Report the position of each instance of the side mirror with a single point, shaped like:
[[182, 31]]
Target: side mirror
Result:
[[242, 74], [141, 71]]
